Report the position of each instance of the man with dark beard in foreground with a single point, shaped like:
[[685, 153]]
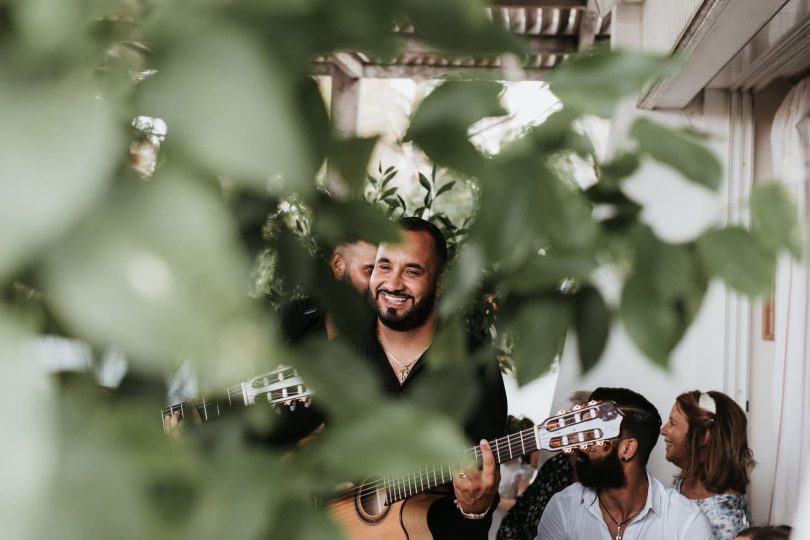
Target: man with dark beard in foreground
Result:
[[403, 292], [615, 497]]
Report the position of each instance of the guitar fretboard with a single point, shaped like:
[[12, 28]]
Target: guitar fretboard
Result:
[[504, 449], [240, 395]]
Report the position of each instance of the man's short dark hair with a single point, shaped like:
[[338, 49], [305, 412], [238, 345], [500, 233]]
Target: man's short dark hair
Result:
[[641, 419], [416, 224]]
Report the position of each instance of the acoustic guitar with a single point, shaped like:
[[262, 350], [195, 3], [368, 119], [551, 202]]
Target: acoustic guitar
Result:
[[395, 508], [280, 387]]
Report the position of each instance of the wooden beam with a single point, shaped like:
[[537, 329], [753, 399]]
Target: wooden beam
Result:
[[538, 45], [348, 63], [397, 71], [587, 25], [545, 4]]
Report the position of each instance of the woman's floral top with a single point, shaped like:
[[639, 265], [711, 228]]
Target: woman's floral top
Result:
[[728, 514]]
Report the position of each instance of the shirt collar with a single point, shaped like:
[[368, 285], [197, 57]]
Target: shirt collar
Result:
[[590, 498]]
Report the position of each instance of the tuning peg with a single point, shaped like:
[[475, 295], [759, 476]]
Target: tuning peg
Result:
[[568, 451], [593, 402], [561, 411], [307, 402], [602, 444], [576, 407]]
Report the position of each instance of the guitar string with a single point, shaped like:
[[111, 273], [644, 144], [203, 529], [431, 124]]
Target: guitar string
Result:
[[381, 484], [402, 484], [236, 390]]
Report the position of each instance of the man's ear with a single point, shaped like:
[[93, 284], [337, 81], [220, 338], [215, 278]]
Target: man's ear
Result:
[[628, 448], [338, 264]]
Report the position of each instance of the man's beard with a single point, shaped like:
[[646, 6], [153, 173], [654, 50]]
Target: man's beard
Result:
[[603, 473], [416, 317]]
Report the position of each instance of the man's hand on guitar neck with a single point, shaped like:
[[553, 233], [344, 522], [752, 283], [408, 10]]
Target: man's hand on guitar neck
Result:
[[173, 423], [475, 490]]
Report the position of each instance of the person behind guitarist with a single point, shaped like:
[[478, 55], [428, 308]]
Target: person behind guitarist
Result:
[[403, 290]]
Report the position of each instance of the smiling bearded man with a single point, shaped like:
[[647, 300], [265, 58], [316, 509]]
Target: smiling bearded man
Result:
[[403, 291]]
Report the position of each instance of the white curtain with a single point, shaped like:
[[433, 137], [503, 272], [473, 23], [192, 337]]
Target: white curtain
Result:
[[790, 145]]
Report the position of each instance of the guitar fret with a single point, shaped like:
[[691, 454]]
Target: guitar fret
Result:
[[522, 446]]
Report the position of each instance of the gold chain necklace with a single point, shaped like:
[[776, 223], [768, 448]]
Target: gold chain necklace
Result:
[[618, 524], [402, 376]]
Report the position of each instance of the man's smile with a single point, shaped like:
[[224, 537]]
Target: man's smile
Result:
[[394, 299]]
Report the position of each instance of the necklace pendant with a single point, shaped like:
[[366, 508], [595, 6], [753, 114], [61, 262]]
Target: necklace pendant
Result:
[[403, 375]]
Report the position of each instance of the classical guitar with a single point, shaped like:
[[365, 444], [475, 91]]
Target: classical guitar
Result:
[[280, 387], [395, 508]]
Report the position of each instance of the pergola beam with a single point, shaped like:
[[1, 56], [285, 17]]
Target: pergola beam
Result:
[[399, 71], [587, 25], [545, 4], [538, 45]]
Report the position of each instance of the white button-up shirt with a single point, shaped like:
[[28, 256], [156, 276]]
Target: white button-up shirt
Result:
[[574, 514]]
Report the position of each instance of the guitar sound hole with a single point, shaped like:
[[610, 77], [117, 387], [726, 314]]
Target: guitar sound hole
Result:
[[370, 503]]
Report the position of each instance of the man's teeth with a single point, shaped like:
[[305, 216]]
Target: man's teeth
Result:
[[394, 299]]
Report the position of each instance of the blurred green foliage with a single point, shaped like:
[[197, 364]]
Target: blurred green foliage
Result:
[[160, 265]]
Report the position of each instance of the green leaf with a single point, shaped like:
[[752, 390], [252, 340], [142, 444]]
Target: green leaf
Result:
[[334, 371], [663, 295], [227, 104], [534, 352], [43, 193], [402, 203], [445, 188], [338, 221], [592, 322], [440, 124], [406, 437], [388, 177], [543, 272], [734, 255], [461, 26], [350, 157], [619, 168], [775, 222], [424, 182], [163, 254], [595, 81], [680, 150], [650, 321], [388, 192], [462, 278]]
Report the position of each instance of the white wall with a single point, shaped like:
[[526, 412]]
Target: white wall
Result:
[[677, 211], [762, 418], [665, 20]]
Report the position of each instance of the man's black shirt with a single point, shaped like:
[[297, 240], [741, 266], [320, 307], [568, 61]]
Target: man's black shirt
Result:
[[486, 420]]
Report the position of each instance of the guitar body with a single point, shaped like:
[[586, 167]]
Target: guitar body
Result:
[[364, 517]]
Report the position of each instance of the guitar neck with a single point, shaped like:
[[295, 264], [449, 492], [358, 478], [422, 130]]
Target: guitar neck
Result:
[[503, 449], [580, 427], [207, 409], [279, 387]]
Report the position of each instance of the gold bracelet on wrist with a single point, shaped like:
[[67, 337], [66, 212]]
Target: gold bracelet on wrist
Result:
[[469, 515]]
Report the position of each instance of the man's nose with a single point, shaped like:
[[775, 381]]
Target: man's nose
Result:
[[394, 281]]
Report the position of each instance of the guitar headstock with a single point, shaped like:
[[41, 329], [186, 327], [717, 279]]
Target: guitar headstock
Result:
[[282, 386], [581, 427]]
